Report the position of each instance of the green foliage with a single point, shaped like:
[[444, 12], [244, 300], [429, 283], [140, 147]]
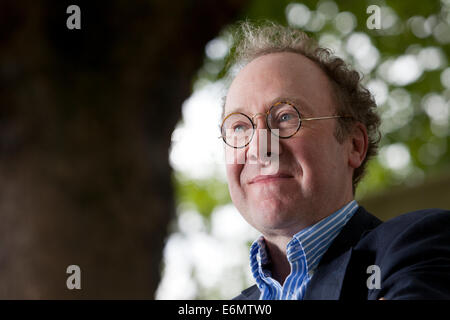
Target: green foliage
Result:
[[200, 195], [391, 43], [426, 141]]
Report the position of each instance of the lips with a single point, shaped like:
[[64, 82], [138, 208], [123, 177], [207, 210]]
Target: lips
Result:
[[269, 178]]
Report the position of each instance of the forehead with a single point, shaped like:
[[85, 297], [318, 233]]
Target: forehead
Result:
[[280, 76]]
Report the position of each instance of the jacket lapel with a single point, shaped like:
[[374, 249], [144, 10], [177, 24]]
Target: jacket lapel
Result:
[[251, 293], [328, 280], [326, 284]]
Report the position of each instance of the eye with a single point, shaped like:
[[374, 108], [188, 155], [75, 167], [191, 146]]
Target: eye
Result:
[[286, 117], [240, 128]]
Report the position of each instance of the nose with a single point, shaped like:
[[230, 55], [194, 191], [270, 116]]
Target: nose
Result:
[[260, 149]]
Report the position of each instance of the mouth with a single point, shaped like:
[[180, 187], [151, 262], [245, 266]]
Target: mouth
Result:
[[270, 178]]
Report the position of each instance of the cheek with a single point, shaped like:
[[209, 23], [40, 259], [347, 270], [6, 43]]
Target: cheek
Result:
[[234, 161], [312, 159], [234, 177], [303, 152], [322, 162]]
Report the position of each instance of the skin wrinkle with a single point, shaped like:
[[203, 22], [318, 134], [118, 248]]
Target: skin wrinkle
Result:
[[320, 166]]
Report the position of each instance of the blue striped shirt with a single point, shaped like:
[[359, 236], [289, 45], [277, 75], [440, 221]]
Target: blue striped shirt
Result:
[[304, 252]]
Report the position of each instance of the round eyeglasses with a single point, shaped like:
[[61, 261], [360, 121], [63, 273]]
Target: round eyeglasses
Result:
[[237, 128]]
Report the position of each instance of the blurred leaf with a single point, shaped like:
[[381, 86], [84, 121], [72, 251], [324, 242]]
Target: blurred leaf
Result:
[[200, 195]]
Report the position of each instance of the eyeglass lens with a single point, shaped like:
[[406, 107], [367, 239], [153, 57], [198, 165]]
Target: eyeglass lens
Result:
[[237, 128]]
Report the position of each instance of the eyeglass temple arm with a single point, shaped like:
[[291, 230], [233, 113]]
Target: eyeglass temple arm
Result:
[[317, 118], [323, 118]]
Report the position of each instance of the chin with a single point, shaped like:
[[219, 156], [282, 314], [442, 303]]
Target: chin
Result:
[[271, 217]]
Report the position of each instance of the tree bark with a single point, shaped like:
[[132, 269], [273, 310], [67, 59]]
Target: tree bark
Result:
[[86, 118]]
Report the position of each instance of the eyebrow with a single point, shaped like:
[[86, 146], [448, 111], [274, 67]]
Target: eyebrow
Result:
[[299, 103], [302, 106]]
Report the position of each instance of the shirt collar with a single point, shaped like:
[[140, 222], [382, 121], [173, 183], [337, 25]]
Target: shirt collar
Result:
[[309, 243], [316, 239]]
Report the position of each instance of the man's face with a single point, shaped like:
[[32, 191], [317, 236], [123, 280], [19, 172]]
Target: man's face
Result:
[[312, 178]]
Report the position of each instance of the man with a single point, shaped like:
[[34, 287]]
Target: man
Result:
[[317, 242]]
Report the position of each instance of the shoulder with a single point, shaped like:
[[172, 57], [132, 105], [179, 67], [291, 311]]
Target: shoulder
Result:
[[413, 254], [416, 230], [418, 234], [426, 215], [421, 221]]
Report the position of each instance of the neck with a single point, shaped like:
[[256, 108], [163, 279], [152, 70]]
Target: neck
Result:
[[276, 245], [280, 267]]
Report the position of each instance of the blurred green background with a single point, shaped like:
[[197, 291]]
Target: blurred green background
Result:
[[405, 66]]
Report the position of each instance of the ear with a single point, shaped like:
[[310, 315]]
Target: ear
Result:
[[358, 145]]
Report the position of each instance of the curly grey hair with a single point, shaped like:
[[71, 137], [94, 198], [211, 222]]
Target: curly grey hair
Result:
[[253, 40]]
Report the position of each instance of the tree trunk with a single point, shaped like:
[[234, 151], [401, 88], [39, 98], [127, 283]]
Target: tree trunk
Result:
[[86, 118]]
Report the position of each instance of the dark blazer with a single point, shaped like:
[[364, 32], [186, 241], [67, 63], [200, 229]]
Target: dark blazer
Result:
[[411, 250]]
